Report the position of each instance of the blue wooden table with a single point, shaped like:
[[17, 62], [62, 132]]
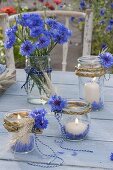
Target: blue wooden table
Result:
[[99, 140]]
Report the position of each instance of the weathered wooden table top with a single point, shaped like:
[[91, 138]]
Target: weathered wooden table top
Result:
[[99, 140]]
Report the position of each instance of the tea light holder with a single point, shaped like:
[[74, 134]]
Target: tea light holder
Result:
[[21, 125], [91, 81], [75, 121]]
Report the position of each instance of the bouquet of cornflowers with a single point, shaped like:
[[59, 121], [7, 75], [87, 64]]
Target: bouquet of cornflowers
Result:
[[37, 37]]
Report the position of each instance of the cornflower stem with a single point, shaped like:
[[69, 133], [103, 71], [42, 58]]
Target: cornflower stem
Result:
[[49, 50]]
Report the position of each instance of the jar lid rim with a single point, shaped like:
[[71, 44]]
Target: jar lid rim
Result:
[[89, 58], [77, 107]]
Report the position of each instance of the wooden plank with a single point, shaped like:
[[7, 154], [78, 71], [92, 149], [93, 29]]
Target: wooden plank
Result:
[[60, 77], [99, 158], [24, 166], [11, 102], [100, 129], [88, 33], [54, 13]]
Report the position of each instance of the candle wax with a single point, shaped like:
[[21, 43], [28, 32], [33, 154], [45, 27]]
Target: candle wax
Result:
[[91, 92], [75, 128]]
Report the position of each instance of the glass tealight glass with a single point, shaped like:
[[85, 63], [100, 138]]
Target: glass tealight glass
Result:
[[76, 120], [91, 81], [20, 125]]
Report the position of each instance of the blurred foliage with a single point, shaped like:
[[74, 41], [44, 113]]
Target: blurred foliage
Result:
[[102, 23]]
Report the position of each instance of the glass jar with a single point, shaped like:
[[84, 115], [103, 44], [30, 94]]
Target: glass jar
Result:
[[20, 125], [91, 81], [23, 144], [75, 121], [39, 86]]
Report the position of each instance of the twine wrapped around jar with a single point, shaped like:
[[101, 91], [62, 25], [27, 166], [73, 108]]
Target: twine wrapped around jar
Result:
[[15, 126], [73, 106], [90, 72]]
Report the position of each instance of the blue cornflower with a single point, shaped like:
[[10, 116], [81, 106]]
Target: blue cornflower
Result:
[[36, 31], [41, 122], [52, 23], [109, 28], [27, 48], [102, 22], [43, 42], [57, 103], [22, 19], [102, 12], [82, 4], [39, 116], [14, 28], [81, 19], [61, 35], [35, 20], [9, 43], [72, 19], [10, 32], [37, 112], [106, 59], [112, 5], [30, 20], [111, 22], [11, 40]]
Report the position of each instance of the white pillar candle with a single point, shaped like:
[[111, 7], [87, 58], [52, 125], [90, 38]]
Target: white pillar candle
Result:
[[75, 127], [91, 92]]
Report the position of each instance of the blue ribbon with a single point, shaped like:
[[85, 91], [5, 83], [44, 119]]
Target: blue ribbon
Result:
[[31, 70]]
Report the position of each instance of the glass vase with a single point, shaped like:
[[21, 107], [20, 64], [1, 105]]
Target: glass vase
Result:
[[75, 121], [91, 81], [39, 86]]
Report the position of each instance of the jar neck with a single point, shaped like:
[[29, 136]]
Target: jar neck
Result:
[[89, 61]]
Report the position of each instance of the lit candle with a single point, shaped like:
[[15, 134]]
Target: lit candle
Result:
[[76, 130], [19, 122], [23, 140], [19, 118], [92, 92]]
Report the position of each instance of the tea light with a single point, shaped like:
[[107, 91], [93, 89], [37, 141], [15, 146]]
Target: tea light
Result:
[[76, 130], [92, 92]]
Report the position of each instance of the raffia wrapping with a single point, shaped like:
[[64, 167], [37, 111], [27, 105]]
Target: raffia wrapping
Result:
[[90, 72], [12, 126], [74, 105]]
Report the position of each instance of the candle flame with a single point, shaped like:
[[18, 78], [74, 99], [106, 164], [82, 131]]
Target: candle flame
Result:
[[94, 79], [76, 121], [18, 117]]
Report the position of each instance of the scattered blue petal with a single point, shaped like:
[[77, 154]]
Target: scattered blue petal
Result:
[[96, 106], [74, 154], [111, 157], [60, 152]]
